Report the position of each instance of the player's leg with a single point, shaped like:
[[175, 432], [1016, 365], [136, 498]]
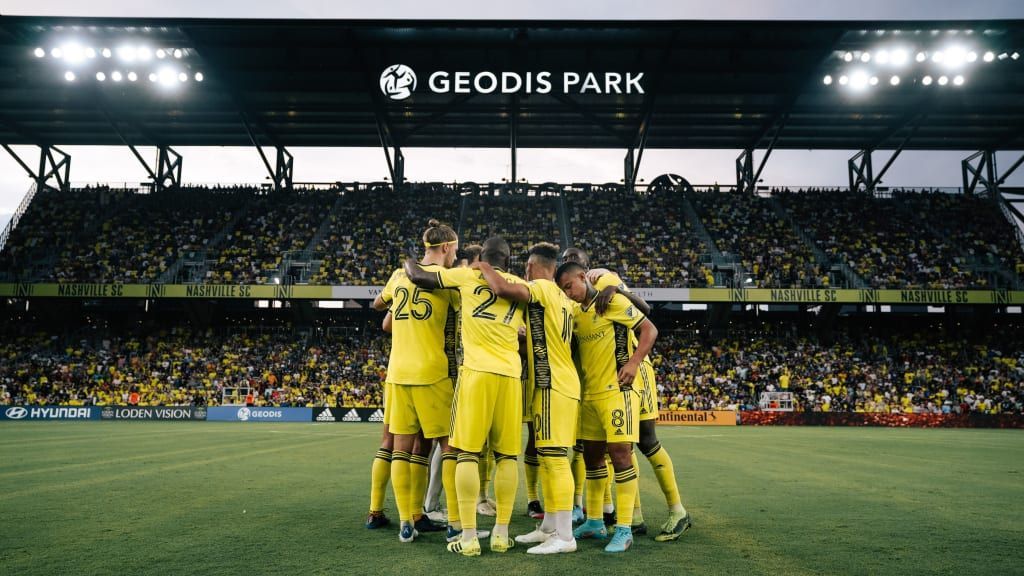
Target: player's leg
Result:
[[554, 436], [419, 469], [591, 433], [380, 474], [433, 406], [531, 469], [622, 429], [485, 505], [401, 482], [506, 440], [579, 476], [432, 499], [472, 413]]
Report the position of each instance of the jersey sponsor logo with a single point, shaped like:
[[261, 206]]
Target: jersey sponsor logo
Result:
[[377, 416], [326, 416], [352, 416]]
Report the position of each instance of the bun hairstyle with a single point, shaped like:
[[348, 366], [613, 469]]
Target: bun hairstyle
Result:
[[438, 234]]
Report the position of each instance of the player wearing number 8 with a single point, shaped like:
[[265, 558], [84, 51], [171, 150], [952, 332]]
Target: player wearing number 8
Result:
[[488, 398], [421, 372]]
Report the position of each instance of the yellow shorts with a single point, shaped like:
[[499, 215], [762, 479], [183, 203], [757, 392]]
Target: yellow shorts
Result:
[[611, 418], [554, 419], [387, 405], [417, 407], [645, 385], [487, 409]]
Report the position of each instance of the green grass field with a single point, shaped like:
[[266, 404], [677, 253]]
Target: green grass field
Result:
[[223, 498]]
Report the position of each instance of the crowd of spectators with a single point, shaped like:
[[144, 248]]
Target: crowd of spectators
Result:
[[749, 227], [372, 231], [644, 236], [884, 370], [520, 219]]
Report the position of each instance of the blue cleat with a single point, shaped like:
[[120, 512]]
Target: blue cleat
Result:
[[376, 520], [621, 540], [590, 529], [577, 515], [407, 533]]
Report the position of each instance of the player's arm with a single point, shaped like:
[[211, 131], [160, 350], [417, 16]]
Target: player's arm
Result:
[[378, 304], [646, 333], [606, 294], [386, 325], [501, 287], [383, 300], [421, 277]]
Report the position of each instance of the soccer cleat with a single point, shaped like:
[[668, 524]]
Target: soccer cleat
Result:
[[535, 537], [535, 510], [466, 548], [621, 540], [502, 543], [577, 515], [487, 508], [554, 546], [610, 518], [637, 529], [440, 516], [407, 533], [674, 527], [590, 529], [424, 524], [376, 520], [454, 534]]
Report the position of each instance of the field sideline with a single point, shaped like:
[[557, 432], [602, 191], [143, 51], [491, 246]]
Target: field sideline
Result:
[[168, 498]]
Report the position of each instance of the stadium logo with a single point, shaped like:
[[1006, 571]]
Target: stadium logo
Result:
[[352, 416], [16, 413], [377, 416], [243, 414], [325, 416], [398, 81]]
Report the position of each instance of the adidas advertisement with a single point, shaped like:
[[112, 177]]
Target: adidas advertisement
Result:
[[348, 414]]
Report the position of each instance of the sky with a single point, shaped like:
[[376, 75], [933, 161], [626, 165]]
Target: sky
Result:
[[231, 165]]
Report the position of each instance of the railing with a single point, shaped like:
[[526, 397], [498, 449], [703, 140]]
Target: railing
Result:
[[13, 222]]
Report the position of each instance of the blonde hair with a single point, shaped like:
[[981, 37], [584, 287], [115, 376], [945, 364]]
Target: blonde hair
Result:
[[438, 234]]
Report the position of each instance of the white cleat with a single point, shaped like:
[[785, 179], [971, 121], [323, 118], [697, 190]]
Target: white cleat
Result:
[[439, 516], [554, 545], [535, 537]]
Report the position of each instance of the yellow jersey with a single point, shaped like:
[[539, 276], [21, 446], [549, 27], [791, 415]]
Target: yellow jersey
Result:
[[610, 279], [423, 332], [490, 325], [604, 344], [549, 334]]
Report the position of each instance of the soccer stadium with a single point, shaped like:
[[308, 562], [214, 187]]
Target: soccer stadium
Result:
[[652, 373]]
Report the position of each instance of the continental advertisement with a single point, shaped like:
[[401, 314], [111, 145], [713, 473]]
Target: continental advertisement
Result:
[[697, 417], [940, 297]]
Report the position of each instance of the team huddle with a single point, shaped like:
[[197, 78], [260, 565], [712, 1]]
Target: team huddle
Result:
[[476, 352]]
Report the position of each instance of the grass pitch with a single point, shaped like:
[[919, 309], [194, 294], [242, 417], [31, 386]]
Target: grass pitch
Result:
[[131, 498]]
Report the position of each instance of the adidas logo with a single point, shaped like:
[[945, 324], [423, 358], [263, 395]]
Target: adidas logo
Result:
[[352, 416], [326, 416], [618, 432], [377, 416]]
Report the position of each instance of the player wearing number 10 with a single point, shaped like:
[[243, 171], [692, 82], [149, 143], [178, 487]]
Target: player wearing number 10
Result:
[[488, 398], [421, 374]]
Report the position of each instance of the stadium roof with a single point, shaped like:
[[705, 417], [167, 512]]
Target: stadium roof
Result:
[[731, 85]]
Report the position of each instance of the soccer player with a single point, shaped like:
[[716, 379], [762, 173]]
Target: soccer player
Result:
[[421, 373], [555, 389], [487, 406], [608, 284], [611, 348]]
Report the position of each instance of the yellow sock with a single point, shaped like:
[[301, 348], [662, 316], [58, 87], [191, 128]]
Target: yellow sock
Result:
[[608, 485], [467, 486], [638, 513], [380, 474], [532, 469], [449, 460], [596, 479], [486, 468], [558, 485], [401, 480], [665, 472], [625, 494], [579, 475], [506, 482], [419, 467]]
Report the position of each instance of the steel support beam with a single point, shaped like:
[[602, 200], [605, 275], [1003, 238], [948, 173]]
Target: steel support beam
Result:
[[513, 140], [1012, 169], [168, 169], [745, 172], [860, 171], [51, 167], [980, 168]]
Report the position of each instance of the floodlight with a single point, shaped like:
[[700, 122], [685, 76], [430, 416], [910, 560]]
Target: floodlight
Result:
[[69, 76]]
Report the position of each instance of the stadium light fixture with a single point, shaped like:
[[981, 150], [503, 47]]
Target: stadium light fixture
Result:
[[895, 81], [116, 76], [943, 80], [167, 76], [921, 57], [859, 80], [865, 56], [126, 53], [827, 79], [100, 76], [899, 57], [160, 53], [848, 57], [972, 56], [178, 53], [927, 80], [153, 77], [56, 53], [954, 57], [107, 53], [69, 76], [132, 76], [1003, 56], [40, 53], [73, 52], [873, 81], [843, 80], [182, 77], [938, 56], [1015, 55], [958, 80], [199, 76], [989, 56], [882, 56]]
